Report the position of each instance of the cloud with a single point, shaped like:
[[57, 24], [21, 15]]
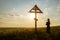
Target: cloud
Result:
[[58, 8], [45, 11], [13, 14]]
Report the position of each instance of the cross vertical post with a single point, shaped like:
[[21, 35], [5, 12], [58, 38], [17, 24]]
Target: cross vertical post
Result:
[[35, 21]]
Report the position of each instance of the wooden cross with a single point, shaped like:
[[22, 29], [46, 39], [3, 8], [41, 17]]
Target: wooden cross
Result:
[[35, 10]]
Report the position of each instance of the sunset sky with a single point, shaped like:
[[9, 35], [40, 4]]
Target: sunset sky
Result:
[[14, 13]]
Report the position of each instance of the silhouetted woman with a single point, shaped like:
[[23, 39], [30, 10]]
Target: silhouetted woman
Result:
[[48, 25]]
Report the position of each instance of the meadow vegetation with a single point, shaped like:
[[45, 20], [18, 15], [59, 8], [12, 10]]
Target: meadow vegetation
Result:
[[29, 34]]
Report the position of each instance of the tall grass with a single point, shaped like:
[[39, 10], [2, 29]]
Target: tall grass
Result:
[[29, 34]]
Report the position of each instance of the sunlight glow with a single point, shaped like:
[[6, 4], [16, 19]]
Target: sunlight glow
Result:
[[32, 15]]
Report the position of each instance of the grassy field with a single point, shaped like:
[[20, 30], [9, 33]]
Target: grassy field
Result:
[[29, 34]]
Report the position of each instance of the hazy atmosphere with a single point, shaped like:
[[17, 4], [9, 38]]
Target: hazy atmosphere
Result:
[[14, 13]]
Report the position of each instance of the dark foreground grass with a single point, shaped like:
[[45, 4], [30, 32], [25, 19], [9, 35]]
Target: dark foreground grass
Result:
[[29, 34]]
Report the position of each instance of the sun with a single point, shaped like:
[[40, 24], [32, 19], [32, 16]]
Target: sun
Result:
[[32, 15]]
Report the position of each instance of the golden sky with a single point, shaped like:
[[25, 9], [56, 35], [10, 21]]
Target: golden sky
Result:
[[14, 13]]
